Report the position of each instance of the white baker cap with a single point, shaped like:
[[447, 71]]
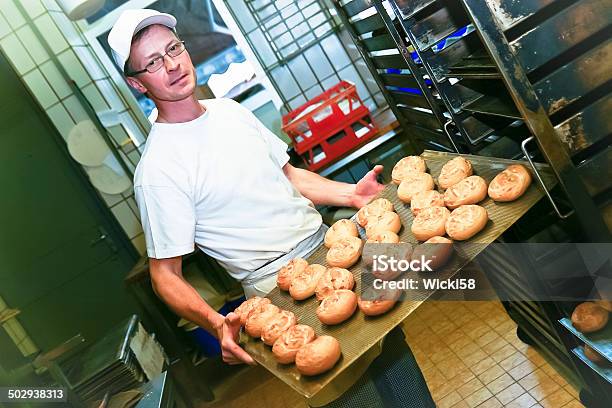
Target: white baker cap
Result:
[[128, 24]]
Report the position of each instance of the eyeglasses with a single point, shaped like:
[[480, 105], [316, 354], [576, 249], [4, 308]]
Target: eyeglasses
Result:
[[174, 50]]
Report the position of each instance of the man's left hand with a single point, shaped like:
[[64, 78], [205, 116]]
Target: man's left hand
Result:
[[367, 188]]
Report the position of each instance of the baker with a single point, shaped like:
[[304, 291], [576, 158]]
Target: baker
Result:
[[214, 176]]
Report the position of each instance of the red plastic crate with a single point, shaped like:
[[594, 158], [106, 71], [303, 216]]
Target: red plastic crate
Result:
[[329, 125]]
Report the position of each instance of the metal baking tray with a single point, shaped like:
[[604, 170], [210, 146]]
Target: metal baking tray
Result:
[[358, 334]]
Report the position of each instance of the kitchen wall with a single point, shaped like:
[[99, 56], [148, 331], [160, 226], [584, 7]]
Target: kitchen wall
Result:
[[39, 59]]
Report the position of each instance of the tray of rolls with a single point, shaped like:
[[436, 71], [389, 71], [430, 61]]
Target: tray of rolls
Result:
[[308, 354]]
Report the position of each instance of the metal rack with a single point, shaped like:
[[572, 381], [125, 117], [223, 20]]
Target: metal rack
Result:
[[530, 71], [400, 78]]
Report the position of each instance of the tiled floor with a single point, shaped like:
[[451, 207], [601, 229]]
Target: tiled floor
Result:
[[471, 357], [469, 354]]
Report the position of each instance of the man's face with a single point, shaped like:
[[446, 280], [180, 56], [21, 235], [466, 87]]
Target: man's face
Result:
[[176, 79]]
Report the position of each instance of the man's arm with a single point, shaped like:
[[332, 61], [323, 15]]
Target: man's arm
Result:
[[322, 191], [184, 300]]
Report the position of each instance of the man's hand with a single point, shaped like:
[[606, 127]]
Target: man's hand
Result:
[[367, 188], [228, 330]]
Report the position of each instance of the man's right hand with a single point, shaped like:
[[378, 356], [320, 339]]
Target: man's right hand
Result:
[[228, 331]]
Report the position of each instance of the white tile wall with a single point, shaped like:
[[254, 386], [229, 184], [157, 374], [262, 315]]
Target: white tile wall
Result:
[[134, 157], [350, 74], [110, 94], [32, 45], [132, 203], [34, 8], [12, 14], [73, 66], [127, 219], [55, 78], [94, 97], [51, 5], [140, 244], [13, 49], [5, 28], [40, 88], [118, 134], [68, 29], [132, 128], [75, 109], [51, 33], [110, 199], [61, 119], [90, 62]]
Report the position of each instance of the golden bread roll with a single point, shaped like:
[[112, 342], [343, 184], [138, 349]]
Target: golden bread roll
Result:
[[595, 357], [388, 221], [334, 278], [295, 266], [258, 317], [277, 325], [437, 250], [430, 222], [589, 317], [248, 305], [407, 166], [510, 184], [466, 221], [375, 208], [287, 345], [606, 304], [304, 284], [384, 237], [337, 306], [340, 229], [425, 199], [415, 183], [318, 356], [470, 190], [454, 171], [376, 302], [344, 253]]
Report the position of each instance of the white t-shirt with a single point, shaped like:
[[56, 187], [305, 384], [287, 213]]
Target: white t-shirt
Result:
[[217, 181]]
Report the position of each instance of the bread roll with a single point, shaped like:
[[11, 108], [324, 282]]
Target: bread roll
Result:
[[318, 356], [388, 221], [425, 199], [277, 325], [589, 317], [337, 306], [454, 171], [345, 252], [295, 266], [340, 229], [304, 284], [407, 166], [376, 302], [287, 345], [384, 237], [332, 279], [466, 221], [375, 208], [248, 305], [258, 317], [510, 184], [595, 357], [437, 250], [470, 190], [430, 222], [606, 304], [413, 184]]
